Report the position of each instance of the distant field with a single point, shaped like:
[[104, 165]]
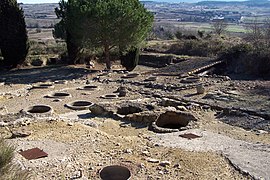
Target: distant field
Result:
[[254, 19], [195, 26], [45, 34]]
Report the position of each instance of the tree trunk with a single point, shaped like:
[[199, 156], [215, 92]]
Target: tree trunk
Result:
[[107, 56], [73, 50]]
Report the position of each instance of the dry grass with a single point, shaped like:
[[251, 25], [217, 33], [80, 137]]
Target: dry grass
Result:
[[9, 170]]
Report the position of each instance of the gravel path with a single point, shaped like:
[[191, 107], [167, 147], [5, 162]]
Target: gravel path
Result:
[[253, 159]]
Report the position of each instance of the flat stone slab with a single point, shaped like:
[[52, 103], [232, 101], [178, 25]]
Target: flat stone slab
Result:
[[250, 158], [76, 115]]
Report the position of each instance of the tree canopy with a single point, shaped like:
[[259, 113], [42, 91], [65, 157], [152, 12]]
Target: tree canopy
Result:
[[106, 24]]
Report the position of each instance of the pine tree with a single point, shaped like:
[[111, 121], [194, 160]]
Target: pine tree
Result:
[[105, 24]]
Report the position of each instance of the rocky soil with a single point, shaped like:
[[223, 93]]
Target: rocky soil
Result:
[[231, 116]]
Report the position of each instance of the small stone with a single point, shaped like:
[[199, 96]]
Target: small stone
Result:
[[129, 151], [177, 166], [122, 91], [141, 166], [124, 125], [78, 174], [161, 172], [165, 163], [226, 78], [70, 124], [3, 110], [182, 108], [118, 144], [151, 160], [91, 124], [97, 151], [3, 124], [262, 132], [145, 153], [200, 89]]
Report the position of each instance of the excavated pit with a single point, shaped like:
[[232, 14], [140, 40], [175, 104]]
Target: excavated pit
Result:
[[109, 96], [115, 173], [43, 86], [39, 109], [88, 88], [172, 121], [58, 95], [79, 105], [128, 110]]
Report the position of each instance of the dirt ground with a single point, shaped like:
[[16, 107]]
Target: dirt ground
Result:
[[79, 151]]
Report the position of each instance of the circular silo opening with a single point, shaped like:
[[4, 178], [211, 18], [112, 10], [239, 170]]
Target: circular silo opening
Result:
[[79, 105], [43, 86], [58, 95], [115, 173], [88, 88], [39, 109], [109, 96]]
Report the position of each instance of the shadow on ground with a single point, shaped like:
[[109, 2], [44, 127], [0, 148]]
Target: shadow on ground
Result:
[[42, 74]]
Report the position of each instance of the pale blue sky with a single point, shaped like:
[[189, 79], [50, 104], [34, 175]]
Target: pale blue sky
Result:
[[56, 1]]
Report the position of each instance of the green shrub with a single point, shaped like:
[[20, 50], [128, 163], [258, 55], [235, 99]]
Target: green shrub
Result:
[[178, 34], [244, 58], [200, 47], [236, 51], [201, 33]]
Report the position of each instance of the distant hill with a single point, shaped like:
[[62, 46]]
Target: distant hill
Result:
[[254, 3], [189, 1]]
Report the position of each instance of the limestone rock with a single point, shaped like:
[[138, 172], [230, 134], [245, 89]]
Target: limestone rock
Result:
[[3, 124], [99, 109], [70, 124], [122, 91], [182, 108], [200, 89], [152, 160], [3, 110], [165, 163], [20, 133], [146, 116], [91, 124]]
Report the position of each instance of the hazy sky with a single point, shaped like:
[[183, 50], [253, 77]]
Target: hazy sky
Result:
[[37, 1]]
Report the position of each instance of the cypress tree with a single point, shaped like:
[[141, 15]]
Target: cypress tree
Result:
[[13, 34]]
